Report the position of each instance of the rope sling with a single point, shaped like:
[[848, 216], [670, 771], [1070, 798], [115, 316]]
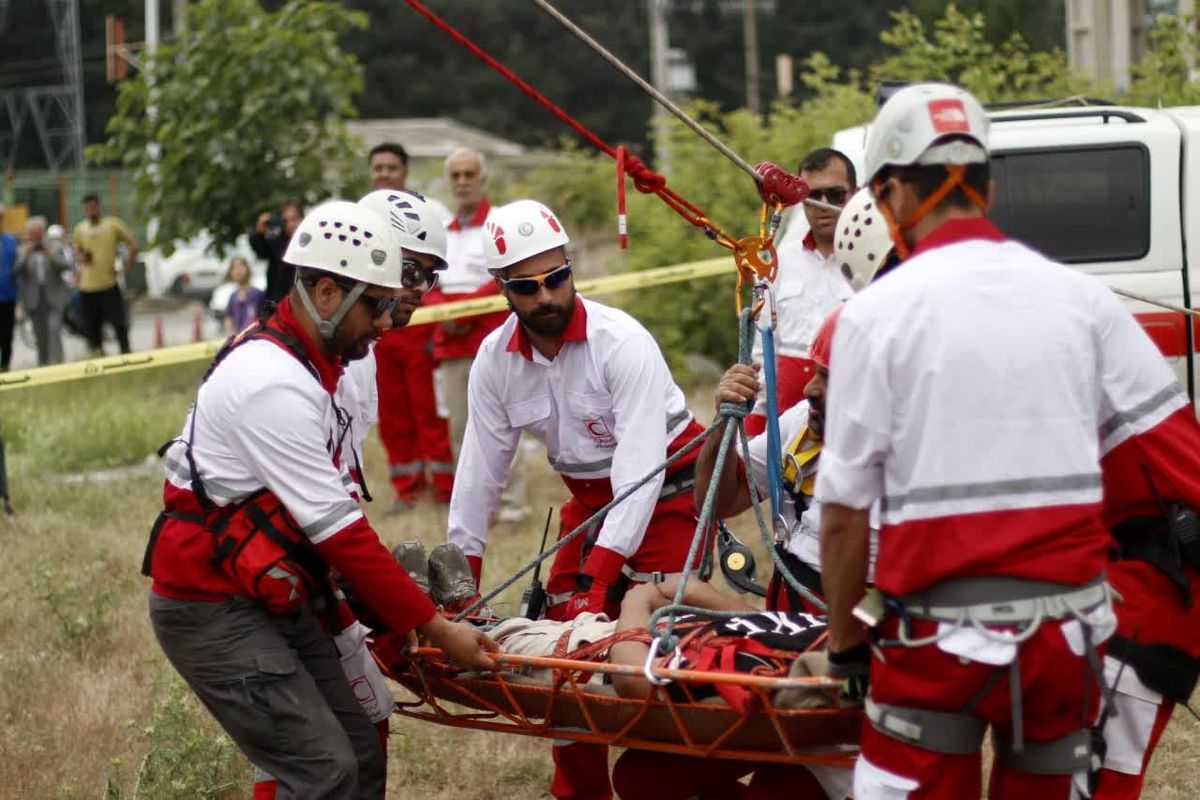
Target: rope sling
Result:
[[506, 699]]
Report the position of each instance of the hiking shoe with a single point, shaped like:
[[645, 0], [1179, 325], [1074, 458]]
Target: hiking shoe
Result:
[[411, 556], [453, 585]]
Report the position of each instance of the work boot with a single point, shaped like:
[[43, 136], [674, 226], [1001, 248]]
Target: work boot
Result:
[[453, 585], [411, 556]]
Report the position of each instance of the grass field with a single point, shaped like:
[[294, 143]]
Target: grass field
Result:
[[88, 705]]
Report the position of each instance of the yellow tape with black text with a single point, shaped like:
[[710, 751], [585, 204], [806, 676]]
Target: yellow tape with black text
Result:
[[201, 351]]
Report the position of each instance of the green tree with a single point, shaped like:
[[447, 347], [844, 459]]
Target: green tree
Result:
[[244, 111], [1163, 75]]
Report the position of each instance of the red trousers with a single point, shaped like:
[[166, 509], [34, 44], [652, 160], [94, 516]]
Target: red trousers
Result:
[[1151, 611], [664, 548], [791, 376], [413, 434], [581, 770], [1058, 691]]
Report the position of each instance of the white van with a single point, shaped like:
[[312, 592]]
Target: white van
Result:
[[1111, 190]]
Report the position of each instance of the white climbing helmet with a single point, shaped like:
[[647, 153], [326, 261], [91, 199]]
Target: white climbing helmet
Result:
[[910, 127], [347, 240], [520, 230], [415, 221], [350, 242], [861, 241]]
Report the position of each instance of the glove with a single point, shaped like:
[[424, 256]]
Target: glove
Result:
[[853, 666], [600, 572]]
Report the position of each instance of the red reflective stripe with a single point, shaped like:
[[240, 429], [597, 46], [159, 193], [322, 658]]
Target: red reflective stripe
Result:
[[1167, 330]]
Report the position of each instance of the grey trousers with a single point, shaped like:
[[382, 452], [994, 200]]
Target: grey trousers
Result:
[[275, 684], [47, 334]]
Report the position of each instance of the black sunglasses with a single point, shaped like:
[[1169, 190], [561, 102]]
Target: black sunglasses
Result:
[[380, 306], [529, 286], [834, 195], [412, 274]]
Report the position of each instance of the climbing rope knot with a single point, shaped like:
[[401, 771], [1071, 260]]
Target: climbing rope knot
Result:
[[645, 180], [780, 186], [734, 410]]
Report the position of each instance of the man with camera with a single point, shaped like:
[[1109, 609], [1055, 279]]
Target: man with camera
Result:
[[42, 289], [269, 241]]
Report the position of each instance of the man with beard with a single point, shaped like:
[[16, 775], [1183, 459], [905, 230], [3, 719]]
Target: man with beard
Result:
[[801, 429], [591, 384], [810, 283], [258, 510]]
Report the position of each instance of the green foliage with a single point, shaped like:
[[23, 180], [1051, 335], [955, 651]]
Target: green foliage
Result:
[[1163, 76], [242, 112], [956, 49], [189, 758], [81, 600]]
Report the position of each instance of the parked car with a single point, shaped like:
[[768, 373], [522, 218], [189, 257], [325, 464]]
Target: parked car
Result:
[[193, 270]]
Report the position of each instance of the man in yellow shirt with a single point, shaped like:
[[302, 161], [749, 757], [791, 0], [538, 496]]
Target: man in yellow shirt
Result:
[[96, 241]]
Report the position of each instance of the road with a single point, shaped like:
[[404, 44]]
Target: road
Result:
[[178, 327]]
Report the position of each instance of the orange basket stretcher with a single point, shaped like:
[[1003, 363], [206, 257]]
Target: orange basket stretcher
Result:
[[568, 707]]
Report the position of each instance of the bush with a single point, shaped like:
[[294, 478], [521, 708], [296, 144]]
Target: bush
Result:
[[190, 758], [80, 599]]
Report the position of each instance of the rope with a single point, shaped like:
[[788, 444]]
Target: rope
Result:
[[732, 416], [649, 89], [645, 180]]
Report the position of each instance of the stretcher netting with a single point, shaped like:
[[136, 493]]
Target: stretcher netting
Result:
[[564, 705]]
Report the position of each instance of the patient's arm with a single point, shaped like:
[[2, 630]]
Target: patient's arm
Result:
[[642, 601]]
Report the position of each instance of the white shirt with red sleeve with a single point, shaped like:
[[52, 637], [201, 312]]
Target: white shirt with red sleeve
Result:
[[263, 421], [964, 395], [466, 266], [605, 408]]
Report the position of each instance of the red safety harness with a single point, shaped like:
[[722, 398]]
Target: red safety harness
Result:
[[256, 542]]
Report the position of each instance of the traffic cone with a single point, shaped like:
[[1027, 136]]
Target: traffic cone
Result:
[[158, 332], [198, 325]]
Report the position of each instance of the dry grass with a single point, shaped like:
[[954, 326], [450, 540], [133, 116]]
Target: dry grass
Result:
[[80, 673]]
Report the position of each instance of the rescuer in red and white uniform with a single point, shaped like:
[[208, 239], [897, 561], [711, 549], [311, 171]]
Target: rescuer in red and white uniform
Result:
[[415, 438], [966, 392], [591, 384], [809, 283], [258, 508]]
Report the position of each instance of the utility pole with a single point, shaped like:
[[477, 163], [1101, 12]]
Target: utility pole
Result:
[[750, 45], [659, 42]]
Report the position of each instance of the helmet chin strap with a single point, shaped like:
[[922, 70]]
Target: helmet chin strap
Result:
[[955, 177], [326, 327]]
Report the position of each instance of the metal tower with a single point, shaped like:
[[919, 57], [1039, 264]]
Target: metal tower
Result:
[[54, 111]]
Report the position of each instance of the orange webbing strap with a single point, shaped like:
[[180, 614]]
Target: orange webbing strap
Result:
[[955, 178]]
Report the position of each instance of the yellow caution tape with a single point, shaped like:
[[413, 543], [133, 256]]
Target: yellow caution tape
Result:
[[204, 351]]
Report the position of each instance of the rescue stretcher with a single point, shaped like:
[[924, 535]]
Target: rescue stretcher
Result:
[[561, 703]]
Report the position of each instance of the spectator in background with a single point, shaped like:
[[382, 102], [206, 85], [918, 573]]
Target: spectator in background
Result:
[[245, 301], [8, 293], [43, 289], [416, 438], [269, 240], [455, 342], [96, 242]]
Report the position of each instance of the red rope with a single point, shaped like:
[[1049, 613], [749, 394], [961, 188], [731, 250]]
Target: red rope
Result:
[[645, 180]]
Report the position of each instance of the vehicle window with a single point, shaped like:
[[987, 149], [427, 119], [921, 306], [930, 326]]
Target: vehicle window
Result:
[[1076, 205]]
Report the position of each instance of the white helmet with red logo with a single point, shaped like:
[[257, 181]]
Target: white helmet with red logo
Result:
[[862, 241], [414, 220], [927, 123], [520, 230]]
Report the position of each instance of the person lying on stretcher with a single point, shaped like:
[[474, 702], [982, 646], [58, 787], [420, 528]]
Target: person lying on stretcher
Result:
[[761, 642], [757, 642]]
